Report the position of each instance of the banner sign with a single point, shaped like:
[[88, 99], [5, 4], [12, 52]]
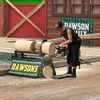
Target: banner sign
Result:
[[81, 26], [25, 68]]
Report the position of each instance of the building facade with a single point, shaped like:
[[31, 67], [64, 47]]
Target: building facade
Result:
[[23, 18], [37, 18], [72, 10]]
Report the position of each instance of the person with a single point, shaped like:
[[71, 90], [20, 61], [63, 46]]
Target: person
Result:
[[72, 43]]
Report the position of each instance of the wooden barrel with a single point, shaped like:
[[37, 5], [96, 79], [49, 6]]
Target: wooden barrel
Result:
[[25, 45], [48, 48]]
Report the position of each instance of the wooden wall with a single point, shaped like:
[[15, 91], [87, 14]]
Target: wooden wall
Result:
[[12, 24], [51, 33], [51, 20]]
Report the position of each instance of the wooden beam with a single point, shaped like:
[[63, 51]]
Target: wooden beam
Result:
[[3, 23], [94, 36], [25, 17]]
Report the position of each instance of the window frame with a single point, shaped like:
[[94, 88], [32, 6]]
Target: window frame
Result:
[[85, 10], [54, 12], [73, 5], [91, 5]]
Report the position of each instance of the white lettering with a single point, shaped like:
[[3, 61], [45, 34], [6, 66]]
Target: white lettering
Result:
[[74, 26], [81, 28]]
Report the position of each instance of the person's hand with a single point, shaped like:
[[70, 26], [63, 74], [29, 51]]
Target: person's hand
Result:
[[63, 45]]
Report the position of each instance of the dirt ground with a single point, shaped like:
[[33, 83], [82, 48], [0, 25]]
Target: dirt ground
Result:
[[85, 87]]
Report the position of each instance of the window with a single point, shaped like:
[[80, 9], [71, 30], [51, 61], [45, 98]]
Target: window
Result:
[[95, 7], [58, 7], [76, 7]]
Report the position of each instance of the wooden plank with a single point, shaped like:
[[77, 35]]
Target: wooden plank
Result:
[[25, 17], [3, 24]]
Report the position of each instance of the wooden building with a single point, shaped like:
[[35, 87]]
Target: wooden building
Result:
[[23, 18], [73, 9], [37, 18]]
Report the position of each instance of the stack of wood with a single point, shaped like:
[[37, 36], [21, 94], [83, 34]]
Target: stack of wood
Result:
[[30, 46]]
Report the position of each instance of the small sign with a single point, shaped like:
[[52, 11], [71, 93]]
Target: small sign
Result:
[[25, 68]]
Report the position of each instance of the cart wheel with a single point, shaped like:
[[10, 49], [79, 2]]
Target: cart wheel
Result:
[[47, 72]]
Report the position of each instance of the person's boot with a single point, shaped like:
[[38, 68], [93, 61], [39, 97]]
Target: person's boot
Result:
[[73, 75], [69, 72]]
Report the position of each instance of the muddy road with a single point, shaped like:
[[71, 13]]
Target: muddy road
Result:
[[85, 87]]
